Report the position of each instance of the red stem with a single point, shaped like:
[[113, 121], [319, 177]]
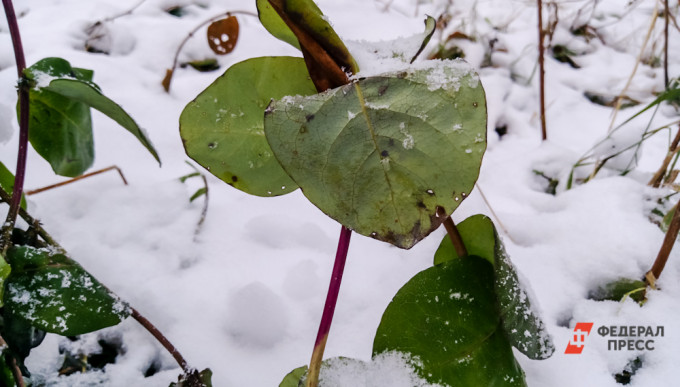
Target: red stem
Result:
[[329, 308], [23, 116]]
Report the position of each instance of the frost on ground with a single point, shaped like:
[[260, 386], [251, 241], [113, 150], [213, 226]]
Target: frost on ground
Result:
[[245, 296]]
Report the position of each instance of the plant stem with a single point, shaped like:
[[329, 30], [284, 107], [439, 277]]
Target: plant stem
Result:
[[672, 150], [541, 70], [16, 372], [69, 181], [665, 45], [669, 240], [329, 308], [15, 203], [162, 339], [454, 235]]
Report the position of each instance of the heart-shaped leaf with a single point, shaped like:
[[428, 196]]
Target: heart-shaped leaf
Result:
[[522, 324], [223, 35], [223, 128], [382, 154], [447, 320], [53, 293]]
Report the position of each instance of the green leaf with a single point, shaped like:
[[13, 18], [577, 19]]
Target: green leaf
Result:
[[524, 328], [447, 320], [200, 192], [294, 378], [223, 128], [430, 26], [620, 289], [6, 374], [60, 128], [20, 335], [53, 293], [380, 155], [84, 92], [273, 23], [307, 16], [195, 379], [7, 185], [5, 270]]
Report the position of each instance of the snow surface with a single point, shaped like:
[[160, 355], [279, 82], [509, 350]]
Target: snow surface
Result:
[[244, 298]]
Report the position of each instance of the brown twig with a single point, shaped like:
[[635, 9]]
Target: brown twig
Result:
[[669, 240], [454, 235], [85, 176], [665, 45], [672, 150], [541, 70], [162, 339]]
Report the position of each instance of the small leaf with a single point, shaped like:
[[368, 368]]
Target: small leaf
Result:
[[273, 23], [5, 270], [6, 374], [223, 35], [446, 319], [189, 176], [205, 65], [430, 26], [195, 379], [223, 128], [7, 185], [200, 192], [53, 293], [167, 79], [294, 378], [524, 328], [382, 154], [620, 289]]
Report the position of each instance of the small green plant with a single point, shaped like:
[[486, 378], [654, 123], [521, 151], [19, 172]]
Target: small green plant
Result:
[[43, 290], [389, 156]]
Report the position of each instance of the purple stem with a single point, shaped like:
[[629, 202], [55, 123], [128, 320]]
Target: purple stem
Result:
[[23, 115], [329, 308]]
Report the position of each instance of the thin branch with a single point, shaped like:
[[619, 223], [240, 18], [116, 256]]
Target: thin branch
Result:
[[669, 240], [665, 44], [541, 71], [162, 339], [493, 213], [171, 70], [49, 187], [20, 174], [672, 150], [329, 308]]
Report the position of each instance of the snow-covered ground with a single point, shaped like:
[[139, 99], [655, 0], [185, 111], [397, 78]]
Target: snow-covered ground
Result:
[[245, 296]]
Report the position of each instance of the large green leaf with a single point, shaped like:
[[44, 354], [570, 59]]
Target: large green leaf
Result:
[[86, 93], [521, 323], [446, 319], [7, 185], [273, 23], [53, 293], [60, 122], [223, 128], [60, 129], [380, 155]]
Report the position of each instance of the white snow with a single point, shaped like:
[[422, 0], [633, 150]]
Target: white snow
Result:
[[244, 297]]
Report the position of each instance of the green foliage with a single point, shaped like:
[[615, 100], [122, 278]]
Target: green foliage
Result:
[[447, 318], [377, 155], [521, 324], [6, 376], [294, 378], [53, 293], [274, 24], [7, 184], [223, 128], [430, 27], [5, 270], [619, 289], [60, 122], [195, 379]]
